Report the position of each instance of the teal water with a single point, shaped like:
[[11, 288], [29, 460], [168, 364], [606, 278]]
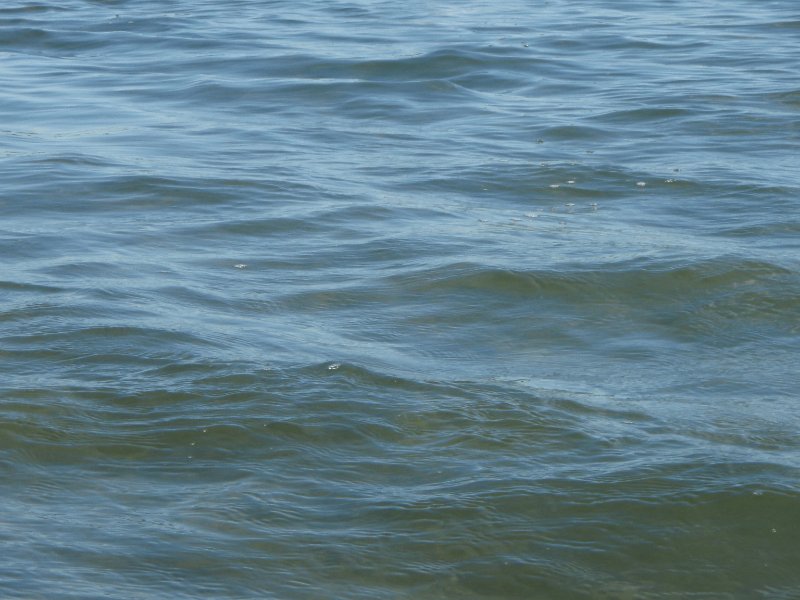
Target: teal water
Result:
[[368, 300]]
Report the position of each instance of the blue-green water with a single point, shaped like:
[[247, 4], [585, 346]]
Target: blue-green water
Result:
[[424, 300]]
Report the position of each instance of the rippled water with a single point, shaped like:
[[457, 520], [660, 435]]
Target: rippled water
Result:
[[377, 300]]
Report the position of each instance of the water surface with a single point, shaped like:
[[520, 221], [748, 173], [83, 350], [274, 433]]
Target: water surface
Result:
[[435, 300]]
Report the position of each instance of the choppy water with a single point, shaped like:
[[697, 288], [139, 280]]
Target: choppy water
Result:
[[421, 300]]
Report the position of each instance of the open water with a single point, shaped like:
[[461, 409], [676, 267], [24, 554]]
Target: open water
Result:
[[357, 299]]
